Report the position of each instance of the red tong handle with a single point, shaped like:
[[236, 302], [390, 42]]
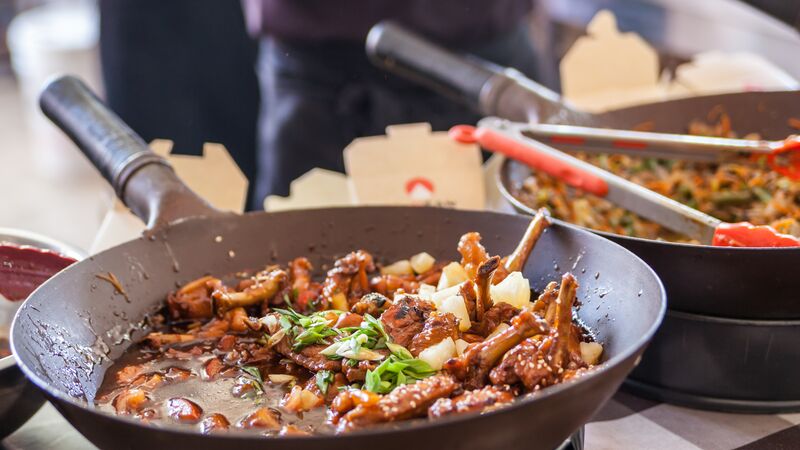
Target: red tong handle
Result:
[[745, 234], [527, 154], [791, 150]]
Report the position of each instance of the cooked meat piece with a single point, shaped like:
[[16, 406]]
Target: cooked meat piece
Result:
[[348, 320], [347, 400], [348, 277], [522, 364], [543, 362], [300, 274], [304, 292], [405, 402], [192, 301], [130, 401], [212, 368], [238, 320], [515, 262], [499, 313], [129, 373], [566, 346], [472, 253], [467, 292], [216, 328], [308, 357], [178, 374], [250, 353], [157, 339], [373, 304], [184, 410], [148, 381], [261, 418], [266, 284], [226, 343], [358, 372], [406, 318], [545, 305], [437, 328], [390, 284], [473, 367], [483, 280], [214, 423], [488, 397], [472, 338]]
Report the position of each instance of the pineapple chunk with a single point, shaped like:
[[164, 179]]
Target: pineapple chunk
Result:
[[590, 352], [437, 354], [461, 345], [452, 274], [514, 290], [422, 262], [455, 305], [399, 268], [438, 296], [426, 292]]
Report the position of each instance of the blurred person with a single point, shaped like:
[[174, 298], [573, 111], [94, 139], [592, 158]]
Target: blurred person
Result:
[[182, 70], [319, 91]]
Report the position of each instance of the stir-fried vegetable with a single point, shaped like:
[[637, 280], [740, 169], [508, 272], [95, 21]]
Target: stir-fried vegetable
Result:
[[360, 342], [746, 190], [306, 330], [324, 378], [398, 369]]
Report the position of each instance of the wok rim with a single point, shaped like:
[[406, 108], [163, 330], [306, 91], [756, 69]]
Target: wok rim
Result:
[[374, 431], [520, 207]]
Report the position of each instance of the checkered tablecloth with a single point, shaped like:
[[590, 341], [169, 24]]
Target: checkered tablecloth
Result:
[[630, 422]]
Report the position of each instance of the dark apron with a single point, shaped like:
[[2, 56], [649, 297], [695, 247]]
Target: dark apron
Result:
[[318, 97]]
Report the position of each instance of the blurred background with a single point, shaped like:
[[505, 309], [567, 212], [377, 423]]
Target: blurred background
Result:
[[185, 70]]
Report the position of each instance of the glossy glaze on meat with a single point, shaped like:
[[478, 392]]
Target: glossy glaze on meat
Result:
[[277, 351]]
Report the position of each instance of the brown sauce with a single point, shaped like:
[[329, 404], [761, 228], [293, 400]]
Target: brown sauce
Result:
[[213, 394]]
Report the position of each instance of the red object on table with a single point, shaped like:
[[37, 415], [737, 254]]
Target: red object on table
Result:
[[23, 268]]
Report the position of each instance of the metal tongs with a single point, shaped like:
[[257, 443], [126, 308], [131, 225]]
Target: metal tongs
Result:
[[782, 156], [509, 138]]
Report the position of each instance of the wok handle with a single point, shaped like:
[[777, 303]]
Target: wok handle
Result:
[[142, 179], [395, 49], [485, 87]]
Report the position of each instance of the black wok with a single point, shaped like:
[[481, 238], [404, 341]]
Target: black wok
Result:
[[726, 282], [65, 346], [746, 283], [727, 340]]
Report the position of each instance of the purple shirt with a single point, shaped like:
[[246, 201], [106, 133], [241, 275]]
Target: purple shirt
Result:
[[448, 21]]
